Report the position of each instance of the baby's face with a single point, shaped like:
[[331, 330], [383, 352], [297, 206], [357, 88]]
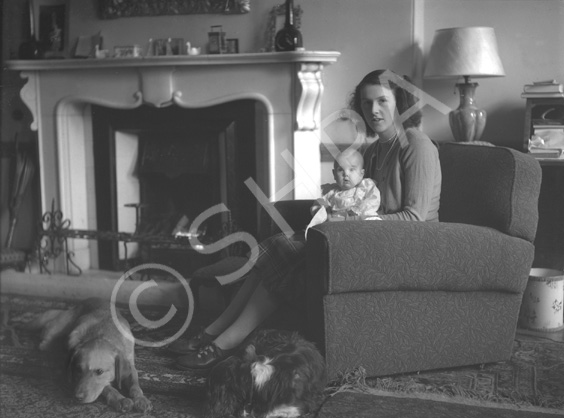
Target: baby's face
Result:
[[348, 171]]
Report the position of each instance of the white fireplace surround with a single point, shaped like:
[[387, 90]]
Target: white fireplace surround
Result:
[[287, 86]]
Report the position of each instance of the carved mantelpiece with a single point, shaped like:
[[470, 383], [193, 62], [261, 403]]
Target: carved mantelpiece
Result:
[[287, 86]]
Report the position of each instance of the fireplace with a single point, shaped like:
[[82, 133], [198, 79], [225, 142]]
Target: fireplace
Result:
[[157, 168], [282, 92]]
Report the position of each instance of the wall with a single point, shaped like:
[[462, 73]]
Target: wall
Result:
[[370, 34]]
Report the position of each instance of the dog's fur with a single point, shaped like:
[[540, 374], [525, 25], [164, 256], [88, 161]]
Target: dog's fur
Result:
[[99, 353], [276, 374]]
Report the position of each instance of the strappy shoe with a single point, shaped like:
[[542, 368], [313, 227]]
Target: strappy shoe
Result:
[[186, 346], [205, 358]]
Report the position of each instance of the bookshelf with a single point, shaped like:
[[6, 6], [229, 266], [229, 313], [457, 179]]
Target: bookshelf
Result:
[[549, 241], [535, 108], [548, 110]]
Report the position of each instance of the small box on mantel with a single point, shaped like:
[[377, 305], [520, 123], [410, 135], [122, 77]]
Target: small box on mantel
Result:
[[127, 51]]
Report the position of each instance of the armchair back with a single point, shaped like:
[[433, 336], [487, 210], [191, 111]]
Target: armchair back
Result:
[[495, 187]]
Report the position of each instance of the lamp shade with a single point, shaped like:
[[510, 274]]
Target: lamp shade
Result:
[[470, 51]]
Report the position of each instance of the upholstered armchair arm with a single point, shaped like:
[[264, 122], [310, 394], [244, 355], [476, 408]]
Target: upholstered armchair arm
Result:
[[365, 256]]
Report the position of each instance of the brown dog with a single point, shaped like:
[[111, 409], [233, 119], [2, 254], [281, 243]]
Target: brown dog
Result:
[[99, 353]]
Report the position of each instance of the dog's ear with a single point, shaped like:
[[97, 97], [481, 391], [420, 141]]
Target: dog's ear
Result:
[[118, 372], [70, 365], [80, 333], [122, 369]]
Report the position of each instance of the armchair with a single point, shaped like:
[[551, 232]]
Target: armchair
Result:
[[397, 296]]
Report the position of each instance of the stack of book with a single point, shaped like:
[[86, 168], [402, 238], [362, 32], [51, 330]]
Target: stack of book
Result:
[[539, 152], [548, 138], [543, 89]]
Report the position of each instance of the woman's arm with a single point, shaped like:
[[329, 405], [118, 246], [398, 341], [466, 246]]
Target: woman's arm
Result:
[[419, 162]]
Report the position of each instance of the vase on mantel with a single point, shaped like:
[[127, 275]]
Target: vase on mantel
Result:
[[30, 49], [289, 38]]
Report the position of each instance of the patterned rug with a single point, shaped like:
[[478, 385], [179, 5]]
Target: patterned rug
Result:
[[33, 382], [533, 379]]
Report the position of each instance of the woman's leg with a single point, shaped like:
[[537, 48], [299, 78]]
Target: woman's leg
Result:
[[280, 256], [235, 307], [259, 307]]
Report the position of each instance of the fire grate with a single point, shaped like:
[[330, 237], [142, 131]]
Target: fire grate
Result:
[[54, 231]]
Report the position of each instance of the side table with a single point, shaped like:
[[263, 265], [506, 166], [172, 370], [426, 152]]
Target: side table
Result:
[[549, 242]]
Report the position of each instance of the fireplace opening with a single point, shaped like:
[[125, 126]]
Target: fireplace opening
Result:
[[157, 169]]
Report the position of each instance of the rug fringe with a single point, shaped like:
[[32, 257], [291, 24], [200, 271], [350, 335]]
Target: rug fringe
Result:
[[354, 380]]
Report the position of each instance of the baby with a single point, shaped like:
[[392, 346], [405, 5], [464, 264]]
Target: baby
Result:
[[351, 197]]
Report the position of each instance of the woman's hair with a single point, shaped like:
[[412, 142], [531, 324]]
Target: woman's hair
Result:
[[404, 99]]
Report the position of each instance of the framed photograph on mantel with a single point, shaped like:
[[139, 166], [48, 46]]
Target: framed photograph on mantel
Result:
[[51, 27]]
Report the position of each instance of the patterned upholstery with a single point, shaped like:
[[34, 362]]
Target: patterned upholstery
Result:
[[470, 196], [400, 296]]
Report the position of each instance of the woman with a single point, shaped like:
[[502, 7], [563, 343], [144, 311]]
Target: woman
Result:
[[405, 165], [403, 162]]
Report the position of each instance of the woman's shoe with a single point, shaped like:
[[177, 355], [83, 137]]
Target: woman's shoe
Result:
[[184, 346], [206, 357]]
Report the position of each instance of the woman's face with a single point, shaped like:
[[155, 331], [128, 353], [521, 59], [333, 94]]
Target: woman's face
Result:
[[378, 105]]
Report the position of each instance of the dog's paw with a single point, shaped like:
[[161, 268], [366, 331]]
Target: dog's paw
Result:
[[45, 345], [142, 404], [123, 405]]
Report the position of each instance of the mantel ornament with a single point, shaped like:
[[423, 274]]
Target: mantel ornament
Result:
[[275, 23], [113, 9]]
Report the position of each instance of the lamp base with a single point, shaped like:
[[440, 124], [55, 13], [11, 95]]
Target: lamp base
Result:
[[467, 122]]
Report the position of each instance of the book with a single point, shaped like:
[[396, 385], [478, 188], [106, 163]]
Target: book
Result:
[[553, 125], [538, 152], [544, 87], [551, 81], [555, 95]]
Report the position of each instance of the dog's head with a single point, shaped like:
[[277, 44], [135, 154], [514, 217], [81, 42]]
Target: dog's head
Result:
[[92, 366], [277, 374]]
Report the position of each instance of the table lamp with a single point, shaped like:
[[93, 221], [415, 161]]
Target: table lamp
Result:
[[465, 52]]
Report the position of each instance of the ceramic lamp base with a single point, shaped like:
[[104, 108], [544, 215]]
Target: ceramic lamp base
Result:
[[542, 307], [467, 122]]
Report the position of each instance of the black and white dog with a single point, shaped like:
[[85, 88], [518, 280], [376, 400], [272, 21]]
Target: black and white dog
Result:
[[276, 374]]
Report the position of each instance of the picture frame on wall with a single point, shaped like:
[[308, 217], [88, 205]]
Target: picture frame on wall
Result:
[[113, 9], [51, 27]]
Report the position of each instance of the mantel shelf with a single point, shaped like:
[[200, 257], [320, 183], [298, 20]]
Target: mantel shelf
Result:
[[176, 61]]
